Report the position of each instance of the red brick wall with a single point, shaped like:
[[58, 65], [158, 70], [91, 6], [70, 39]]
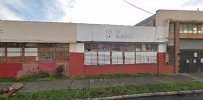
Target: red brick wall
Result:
[[9, 70], [162, 66], [18, 59], [76, 67], [12, 70], [121, 69]]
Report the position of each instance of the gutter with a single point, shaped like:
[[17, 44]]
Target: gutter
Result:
[[147, 95]]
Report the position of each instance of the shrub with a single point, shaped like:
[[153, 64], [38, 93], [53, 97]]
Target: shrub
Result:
[[59, 72]]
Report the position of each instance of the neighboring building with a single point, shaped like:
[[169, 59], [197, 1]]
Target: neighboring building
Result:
[[84, 49], [185, 37]]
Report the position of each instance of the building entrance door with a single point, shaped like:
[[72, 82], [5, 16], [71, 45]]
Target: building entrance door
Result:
[[191, 61]]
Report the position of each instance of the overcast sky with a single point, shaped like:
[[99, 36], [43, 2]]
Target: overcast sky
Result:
[[89, 11]]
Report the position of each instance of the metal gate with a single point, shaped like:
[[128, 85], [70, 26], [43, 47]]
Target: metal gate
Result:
[[191, 61]]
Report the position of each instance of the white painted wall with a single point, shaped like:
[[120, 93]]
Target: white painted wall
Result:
[[118, 33], [43, 32], [76, 47], [161, 48], [46, 32]]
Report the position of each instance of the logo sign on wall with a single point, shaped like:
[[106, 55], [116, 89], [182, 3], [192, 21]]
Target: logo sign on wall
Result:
[[117, 34]]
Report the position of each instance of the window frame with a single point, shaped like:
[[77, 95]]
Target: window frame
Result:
[[22, 57], [190, 28], [153, 48]]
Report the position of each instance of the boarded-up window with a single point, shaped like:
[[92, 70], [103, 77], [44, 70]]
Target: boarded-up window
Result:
[[45, 55], [31, 52], [61, 53], [53, 52]]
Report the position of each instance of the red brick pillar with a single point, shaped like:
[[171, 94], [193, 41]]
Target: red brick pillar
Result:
[[161, 58], [161, 62], [76, 64], [76, 59]]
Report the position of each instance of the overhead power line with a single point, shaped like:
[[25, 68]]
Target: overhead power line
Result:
[[138, 7]]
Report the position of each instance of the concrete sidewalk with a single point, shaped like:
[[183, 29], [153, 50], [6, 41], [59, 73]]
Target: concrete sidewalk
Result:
[[78, 84]]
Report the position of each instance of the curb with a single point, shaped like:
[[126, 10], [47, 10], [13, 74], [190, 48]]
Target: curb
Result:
[[147, 95]]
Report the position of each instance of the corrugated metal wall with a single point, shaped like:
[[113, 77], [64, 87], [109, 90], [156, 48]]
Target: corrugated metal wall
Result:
[[191, 44]]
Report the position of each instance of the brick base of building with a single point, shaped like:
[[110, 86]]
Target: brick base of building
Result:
[[76, 67]]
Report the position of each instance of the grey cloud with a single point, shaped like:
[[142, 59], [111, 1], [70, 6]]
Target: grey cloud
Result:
[[192, 2], [36, 10]]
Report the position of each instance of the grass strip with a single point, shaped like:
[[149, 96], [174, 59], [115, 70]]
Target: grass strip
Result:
[[69, 94], [50, 78]]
